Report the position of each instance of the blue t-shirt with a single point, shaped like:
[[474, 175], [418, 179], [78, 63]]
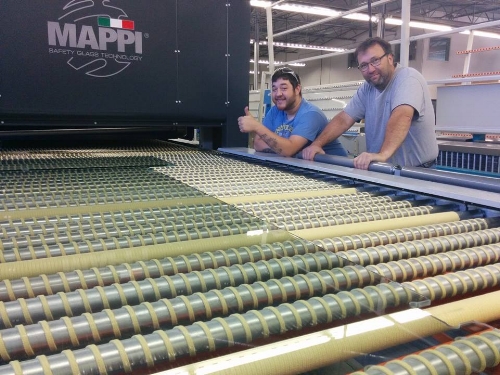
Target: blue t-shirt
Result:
[[309, 122]]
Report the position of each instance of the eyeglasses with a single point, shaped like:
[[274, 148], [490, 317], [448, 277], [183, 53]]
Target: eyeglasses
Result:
[[373, 62], [285, 70]]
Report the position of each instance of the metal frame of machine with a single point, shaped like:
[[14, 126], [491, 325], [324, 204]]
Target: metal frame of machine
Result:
[[461, 194]]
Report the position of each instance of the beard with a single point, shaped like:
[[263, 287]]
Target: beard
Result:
[[285, 104], [378, 79]]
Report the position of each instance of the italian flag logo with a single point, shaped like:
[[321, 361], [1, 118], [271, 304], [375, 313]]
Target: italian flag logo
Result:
[[115, 23]]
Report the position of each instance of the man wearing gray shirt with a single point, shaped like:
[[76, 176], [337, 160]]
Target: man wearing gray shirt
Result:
[[396, 105]]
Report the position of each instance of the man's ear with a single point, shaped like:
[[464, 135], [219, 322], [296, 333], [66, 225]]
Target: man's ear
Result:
[[391, 57]]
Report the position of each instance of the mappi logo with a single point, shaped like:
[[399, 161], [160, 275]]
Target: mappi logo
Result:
[[97, 36]]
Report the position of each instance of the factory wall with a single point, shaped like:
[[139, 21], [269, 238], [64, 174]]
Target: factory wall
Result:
[[335, 69]]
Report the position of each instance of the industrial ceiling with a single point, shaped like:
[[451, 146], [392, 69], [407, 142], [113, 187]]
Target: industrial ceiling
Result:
[[344, 32]]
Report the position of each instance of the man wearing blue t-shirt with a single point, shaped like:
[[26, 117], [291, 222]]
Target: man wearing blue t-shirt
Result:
[[292, 123], [396, 105]]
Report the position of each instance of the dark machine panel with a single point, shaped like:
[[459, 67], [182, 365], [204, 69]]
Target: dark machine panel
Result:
[[123, 63]]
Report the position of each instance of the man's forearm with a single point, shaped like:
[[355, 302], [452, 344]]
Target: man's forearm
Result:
[[397, 129], [272, 141], [327, 136], [260, 145]]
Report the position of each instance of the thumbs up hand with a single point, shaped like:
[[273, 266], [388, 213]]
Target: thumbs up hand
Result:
[[248, 123]]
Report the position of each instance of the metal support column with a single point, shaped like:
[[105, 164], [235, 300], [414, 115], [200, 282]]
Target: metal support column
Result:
[[405, 32]]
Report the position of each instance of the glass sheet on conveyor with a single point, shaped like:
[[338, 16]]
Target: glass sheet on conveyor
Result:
[[56, 162]]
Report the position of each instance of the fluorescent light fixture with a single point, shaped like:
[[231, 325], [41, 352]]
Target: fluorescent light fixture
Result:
[[360, 17], [354, 16], [433, 26], [277, 63], [260, 4], [319, 11], [419, 25], [393, 21], [300, 46], [482, 33], [429, 26], [307, 46]]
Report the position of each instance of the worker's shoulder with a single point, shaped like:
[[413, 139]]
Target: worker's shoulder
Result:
[[307, 106], [408, 72]]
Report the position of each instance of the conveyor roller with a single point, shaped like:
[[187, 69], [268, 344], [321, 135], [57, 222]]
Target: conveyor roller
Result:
[[166, 256]]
